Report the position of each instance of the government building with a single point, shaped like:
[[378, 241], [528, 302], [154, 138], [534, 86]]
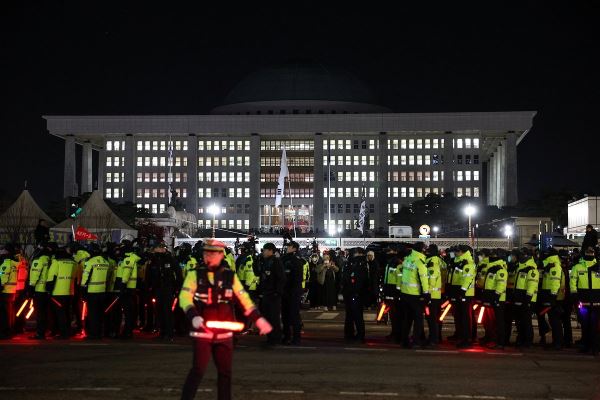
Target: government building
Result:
[[337, 139]]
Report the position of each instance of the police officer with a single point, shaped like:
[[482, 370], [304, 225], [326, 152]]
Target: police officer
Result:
[[355, 284], [37, 288], [391, 293], [125, 283], [585, 292], [80, 255], [525, 296], [551, 296], [245, 269], [271, 287], [415, 293], [165, 280], [94, 284], [8, 288], [293, 267], [493, 297], [21, 293], [60, 285], [509, 307], [461, 291], [207, 296], [435, 266]]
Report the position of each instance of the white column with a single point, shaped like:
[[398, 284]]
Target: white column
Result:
[[86, 167], [512, 197], [70, 185], [130, 154], [319, 212], [101, 163], [381, 212]]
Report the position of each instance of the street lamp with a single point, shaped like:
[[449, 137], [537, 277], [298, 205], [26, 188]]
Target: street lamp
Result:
[[508, 231], [214, 210], [470, 211], [436, 229]]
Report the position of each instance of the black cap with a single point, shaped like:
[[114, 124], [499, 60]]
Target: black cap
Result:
[[269, 246], [294, 245]]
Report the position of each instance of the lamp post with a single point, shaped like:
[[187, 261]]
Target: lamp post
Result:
[[470, 211], [436, 229], [214, 210], [508, 231]]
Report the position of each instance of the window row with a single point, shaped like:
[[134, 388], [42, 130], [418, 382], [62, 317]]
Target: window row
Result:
[[290, 145], [467, 159], [350, 160], [220, 145], [337, 226], [238, 161], [467, 192], [239, 224], [115, 145], [223, 176], [404, 176], [161, 177], [403, 144], [345, 144], [224, 192], [354, 176], [147, 193], [349, 208], [291, 161], [154, 208], [296, 193], [467, 175], [161, 145], [418, 159], [412, 191], [229, 209], [295, 177], [467, 143], [347, 192], [115, 177], [115, 161], [162, 162], [113, 193]]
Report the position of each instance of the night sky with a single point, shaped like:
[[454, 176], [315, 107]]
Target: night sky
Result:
[[71, 58]]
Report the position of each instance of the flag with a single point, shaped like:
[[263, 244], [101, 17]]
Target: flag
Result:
[[283, 173], [363, 213], [83, 234]]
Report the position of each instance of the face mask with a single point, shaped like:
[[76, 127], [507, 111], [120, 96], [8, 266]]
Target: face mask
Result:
[[588, 258], [451, 254], [509, 258]]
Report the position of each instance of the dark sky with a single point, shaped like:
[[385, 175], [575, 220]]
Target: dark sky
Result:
[[73, 58]]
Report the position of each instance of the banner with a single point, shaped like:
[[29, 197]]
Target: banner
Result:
[[283, 173], [363, 213], [83, 234]]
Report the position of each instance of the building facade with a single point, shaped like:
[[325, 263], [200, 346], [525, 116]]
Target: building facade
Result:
[[339, 144]]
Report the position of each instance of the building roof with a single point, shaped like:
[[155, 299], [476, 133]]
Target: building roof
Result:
[[96, 215], [24, 212]]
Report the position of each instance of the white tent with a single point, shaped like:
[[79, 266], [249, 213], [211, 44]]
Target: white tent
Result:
[[18, 222], [98, 218]]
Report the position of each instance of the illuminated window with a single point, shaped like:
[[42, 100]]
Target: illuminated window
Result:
[[411, 143], [402, 192], [475, 175], [459, 176], [459, 143], [475, 145]]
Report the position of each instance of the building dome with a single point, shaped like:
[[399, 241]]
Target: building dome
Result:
[[299, 88]]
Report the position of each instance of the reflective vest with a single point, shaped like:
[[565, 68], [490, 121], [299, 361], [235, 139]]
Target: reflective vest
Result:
[[305, 273], [8, 276], [62, 272], [95, 275], [189, 265], [246, 274], [230, 261], [585, 282], [481, 275], [494, 283], [21, 273], [128, 270], [39, 273], [415, 279], [434, 270], [461, 277], [112, 275], [80, 258], [553, 281], [526, 282]]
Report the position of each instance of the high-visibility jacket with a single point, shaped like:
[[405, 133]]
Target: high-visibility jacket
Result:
[[210, 293], [305, 274], [526, 282], [21, 273], [95, 275], [585, 282], [481, 275], [112, 275], [391, 275], [61, 277], [230, 260], [128, 269], [80, 257], [189, 265], [461, 277], [39, 273], [434, 270], [494, 284], [8, 276], [553, 281], [245, 273], [415, 278]]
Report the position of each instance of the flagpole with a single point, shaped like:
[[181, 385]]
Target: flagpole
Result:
[[292, 207], [328, 187]]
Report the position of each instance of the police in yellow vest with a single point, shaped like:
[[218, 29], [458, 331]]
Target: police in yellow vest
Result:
[[94, 283], [245, 271], [525, 295], [60, 284], [207, 297], [435, 267], [8, 288], [391, 291], [230, 259], [461, 289], [126, 282], [493, 297], [585, 291], [552, 294], [482, 266], [415, 292], [38, 276]]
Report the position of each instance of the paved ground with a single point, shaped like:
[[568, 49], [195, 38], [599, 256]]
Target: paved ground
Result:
[[324, 367]]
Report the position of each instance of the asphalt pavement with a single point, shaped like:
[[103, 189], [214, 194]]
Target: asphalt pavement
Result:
[[322, 367]]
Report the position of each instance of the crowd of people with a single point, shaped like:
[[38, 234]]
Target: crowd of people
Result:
[[112, 290]]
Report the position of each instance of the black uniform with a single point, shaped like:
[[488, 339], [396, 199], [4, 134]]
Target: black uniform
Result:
[[355, 283], [164, 280], [272, 281], [293, 267]]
